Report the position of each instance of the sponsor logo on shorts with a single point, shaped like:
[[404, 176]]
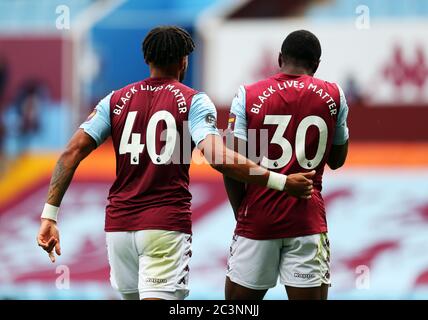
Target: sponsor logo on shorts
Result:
[[304, 275], [155, 280]]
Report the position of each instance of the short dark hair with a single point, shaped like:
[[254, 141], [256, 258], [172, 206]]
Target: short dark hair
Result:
[[303, 48], [165, 45]]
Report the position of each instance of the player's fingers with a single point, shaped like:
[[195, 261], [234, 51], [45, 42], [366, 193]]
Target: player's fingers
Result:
[[307, 195], [44, 244], [40, 242], [309, 174], [51, 244], [308, 182], [308, 192], [58, 248], [52, 256]]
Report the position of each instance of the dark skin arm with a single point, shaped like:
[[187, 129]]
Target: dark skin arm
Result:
[[235, 190], [79, 147], [337, 156]]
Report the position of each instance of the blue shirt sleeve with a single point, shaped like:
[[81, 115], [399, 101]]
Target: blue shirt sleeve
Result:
[[202, 118], [342, 132], [237, 117], [98, 124]]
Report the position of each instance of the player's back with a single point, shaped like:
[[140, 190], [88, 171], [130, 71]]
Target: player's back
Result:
[[153, 149], [293, 118]]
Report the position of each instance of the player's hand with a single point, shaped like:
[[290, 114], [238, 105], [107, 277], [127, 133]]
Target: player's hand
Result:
[[48, 238], [300, 185]]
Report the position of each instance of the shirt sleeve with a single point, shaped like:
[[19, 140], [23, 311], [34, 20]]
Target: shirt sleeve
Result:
[[342, 132], [98, 124], [237, 117], [202, 118]]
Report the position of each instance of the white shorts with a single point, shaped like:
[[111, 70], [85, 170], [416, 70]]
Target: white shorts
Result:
[[153, 263], [302, 262]]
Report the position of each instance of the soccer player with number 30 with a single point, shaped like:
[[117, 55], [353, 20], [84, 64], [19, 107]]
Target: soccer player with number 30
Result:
[[305, 121]]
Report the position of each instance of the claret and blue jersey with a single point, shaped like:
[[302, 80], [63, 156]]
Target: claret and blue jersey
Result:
[[99, 126], [154, 125], [301, 118]]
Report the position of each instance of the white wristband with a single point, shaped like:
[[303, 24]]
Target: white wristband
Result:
[[50, 212], [276, 181]]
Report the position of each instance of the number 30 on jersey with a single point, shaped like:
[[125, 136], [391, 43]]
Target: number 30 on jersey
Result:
[[282, 121]]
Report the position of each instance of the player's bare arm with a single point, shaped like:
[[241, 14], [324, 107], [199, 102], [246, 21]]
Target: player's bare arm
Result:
[[339, 148], [337, 156], [79, 147], [236, 166], [235, 190]]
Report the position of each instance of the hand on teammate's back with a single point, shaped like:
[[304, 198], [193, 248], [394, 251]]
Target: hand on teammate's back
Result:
[[48, 238], [300, 185]]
